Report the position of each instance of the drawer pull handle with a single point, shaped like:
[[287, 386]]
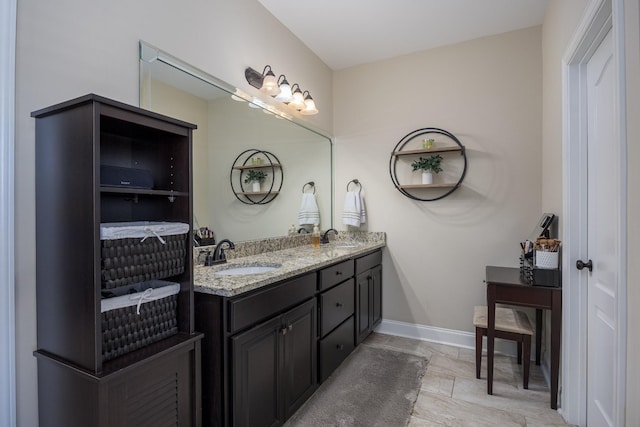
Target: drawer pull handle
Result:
[[340, 346], [338, 273], [338, 304]]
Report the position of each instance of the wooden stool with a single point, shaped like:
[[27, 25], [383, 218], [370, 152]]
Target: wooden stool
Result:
[[511, 325]]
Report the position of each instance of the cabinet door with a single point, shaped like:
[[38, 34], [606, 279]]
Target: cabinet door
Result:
[[363, 308], [159, 393], [300, 356], [256, 357]]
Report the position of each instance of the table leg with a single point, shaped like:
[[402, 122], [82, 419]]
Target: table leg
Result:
[[538, 335], [491, 334], [556, 326]]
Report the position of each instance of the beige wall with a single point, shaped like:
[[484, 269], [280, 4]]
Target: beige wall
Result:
[[69, 48], [487, 92], [560, 23]]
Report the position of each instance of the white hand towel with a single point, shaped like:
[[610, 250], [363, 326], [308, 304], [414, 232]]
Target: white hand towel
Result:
[[354, 212], [309, 213]]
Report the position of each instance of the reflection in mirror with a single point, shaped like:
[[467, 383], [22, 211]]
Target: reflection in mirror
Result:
[[226, 127]]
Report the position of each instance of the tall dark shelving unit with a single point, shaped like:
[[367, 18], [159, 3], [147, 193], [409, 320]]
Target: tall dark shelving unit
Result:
[[158, 384]]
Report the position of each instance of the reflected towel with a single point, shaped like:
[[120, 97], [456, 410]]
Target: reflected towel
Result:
[[309, 213], [354, 212]]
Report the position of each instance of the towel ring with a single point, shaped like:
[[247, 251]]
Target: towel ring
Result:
[[355, 181], [312, 184]]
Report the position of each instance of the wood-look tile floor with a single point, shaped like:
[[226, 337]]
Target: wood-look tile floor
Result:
[[452, 396]]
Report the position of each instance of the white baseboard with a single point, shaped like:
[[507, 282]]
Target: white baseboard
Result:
[[442, 336], [454, 338]]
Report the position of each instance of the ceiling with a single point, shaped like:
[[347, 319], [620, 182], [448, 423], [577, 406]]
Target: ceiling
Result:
[[345, 33]]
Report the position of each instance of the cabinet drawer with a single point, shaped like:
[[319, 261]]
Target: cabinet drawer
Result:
[[335, 274], [336, 305], [335, 347], [251, 309], [368, 261]]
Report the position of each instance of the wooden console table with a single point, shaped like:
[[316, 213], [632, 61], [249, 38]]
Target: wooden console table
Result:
[[505, 286]]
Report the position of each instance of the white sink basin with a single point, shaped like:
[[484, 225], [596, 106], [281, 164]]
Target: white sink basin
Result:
[[346, 245], [248, 269]]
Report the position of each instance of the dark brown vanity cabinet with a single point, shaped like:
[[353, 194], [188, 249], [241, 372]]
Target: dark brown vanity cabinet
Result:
[[259, 352], [274, 367], [368, 294], [159, 383], [265, 351]]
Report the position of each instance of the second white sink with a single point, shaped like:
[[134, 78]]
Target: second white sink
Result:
[[346, 245]]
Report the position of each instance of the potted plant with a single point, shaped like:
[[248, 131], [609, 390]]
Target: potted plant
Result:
[[429, 166], [255, 177]]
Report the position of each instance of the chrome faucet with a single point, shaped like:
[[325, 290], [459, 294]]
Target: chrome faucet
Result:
[[325, 236], [218, 254]]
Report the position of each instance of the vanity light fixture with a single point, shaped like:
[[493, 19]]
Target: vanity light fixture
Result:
[[281, 90], [309, 105]]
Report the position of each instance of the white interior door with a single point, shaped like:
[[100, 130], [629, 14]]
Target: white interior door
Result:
[[603, 237]]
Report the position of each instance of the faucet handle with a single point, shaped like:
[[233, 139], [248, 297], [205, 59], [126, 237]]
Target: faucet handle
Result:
[[208, 259], [204, 252]]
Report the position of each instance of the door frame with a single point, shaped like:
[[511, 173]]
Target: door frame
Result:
[[8, 415], [600, 16]]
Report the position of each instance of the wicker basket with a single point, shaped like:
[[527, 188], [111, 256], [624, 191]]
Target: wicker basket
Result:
[[138, 315], [141, 251]]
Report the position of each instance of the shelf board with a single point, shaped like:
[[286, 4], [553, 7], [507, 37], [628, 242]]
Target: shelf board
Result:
[[130, 361], [415, 186], [425, 151], [142, 191], [260, 166], [257, 193]]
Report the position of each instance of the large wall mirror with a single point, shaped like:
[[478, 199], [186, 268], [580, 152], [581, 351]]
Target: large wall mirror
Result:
[[228, 124]]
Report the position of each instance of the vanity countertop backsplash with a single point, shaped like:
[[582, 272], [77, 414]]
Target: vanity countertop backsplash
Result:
[[293, 255]]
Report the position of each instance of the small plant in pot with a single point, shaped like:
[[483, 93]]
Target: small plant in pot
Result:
[[429, 166], [255, 177]]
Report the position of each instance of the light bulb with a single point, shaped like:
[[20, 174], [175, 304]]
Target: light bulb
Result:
[[285, 94], [309, 105], [270, 83], [298, 98]]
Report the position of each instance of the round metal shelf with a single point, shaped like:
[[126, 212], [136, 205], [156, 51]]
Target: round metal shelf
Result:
[[448, 188], [242, 164]]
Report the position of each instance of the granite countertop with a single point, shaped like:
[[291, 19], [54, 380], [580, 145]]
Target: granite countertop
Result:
[[295, 261]]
